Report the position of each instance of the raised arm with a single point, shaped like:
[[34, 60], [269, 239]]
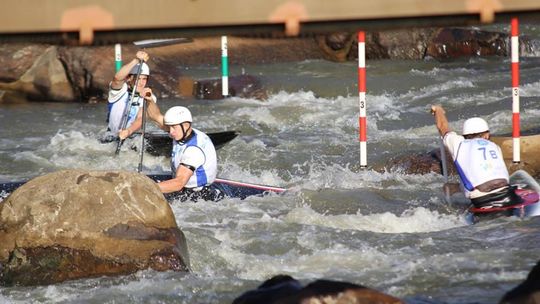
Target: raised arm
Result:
[[441, 122], [120, 76], [155, 114]]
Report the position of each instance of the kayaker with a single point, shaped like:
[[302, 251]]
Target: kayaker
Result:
[[478, 161], [193, 158], [120, 90]]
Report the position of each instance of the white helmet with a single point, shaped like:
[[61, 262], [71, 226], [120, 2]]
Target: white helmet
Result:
[[475, 125], [177, 115], [145, 70]]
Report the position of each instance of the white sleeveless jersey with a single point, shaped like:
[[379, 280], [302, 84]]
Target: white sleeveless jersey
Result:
[[118, 100], [477, 161], [198, 152]]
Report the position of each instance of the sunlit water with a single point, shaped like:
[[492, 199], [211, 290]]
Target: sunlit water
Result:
[[387, 230]]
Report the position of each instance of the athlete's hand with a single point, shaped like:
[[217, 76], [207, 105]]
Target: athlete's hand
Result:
[[147, 93], [437, 108], [142, 55], [123, 134]]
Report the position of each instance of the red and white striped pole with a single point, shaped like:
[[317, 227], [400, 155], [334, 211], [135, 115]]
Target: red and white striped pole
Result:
[[515, 90], [362, 97]]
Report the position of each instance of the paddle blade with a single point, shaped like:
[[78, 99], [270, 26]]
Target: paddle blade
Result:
[[150, 43], [219, 139], [118, 146]]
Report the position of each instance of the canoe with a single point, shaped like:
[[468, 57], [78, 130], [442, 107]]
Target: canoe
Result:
[[222, 187], [529, 191], [158, 143]]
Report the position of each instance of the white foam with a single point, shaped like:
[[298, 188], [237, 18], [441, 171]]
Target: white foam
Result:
[[414, 220], [434, 89], [443, 73]]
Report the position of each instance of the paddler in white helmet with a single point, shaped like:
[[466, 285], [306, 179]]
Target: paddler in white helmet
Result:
[[193, 158], [478, 161], [120, 90]]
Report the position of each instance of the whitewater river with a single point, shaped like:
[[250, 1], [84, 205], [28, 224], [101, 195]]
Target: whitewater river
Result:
[[386, 230]]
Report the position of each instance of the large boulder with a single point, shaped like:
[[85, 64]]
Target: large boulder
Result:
[[45, 78], [404, 43], [454, 42], [17, 58], [286, 290], [419, 43], [89, 70], [74, 224]]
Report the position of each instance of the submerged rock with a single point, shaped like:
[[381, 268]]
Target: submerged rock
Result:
[[245, 86], [527, 292], [75, 224], [423, 163], [285, 289]]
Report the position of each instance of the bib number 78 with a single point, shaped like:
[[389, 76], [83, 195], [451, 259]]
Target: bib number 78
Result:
[[486, 152]]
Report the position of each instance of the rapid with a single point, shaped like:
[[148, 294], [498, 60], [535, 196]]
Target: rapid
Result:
[[386, 230]]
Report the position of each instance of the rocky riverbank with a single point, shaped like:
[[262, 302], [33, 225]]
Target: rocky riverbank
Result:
[[37, 72]]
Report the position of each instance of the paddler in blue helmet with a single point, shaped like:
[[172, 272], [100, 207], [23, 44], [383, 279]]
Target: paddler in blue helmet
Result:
[[120, 90], [478, 161], [193, 158]]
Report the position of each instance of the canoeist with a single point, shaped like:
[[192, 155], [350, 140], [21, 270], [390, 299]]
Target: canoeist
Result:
[[120, 91], [479, 162], [193, 159]]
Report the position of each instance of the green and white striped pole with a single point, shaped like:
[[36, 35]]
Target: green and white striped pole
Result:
[[224, 67], [118, 56]]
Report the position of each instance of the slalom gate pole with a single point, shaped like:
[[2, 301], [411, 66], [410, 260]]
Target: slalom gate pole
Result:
[[224, 67], [362, 97], [515, 90], [118, 56]]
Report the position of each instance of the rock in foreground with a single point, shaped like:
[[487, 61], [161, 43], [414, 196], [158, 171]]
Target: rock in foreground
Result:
[[527, 292], [75, 224]]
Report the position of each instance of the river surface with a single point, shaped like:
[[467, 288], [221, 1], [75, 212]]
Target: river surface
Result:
[[386, 230]]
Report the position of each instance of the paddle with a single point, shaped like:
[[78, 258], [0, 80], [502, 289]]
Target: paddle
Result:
[[446, 185], [142, 137], [441, 123], [127, 109], [150, 43]]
